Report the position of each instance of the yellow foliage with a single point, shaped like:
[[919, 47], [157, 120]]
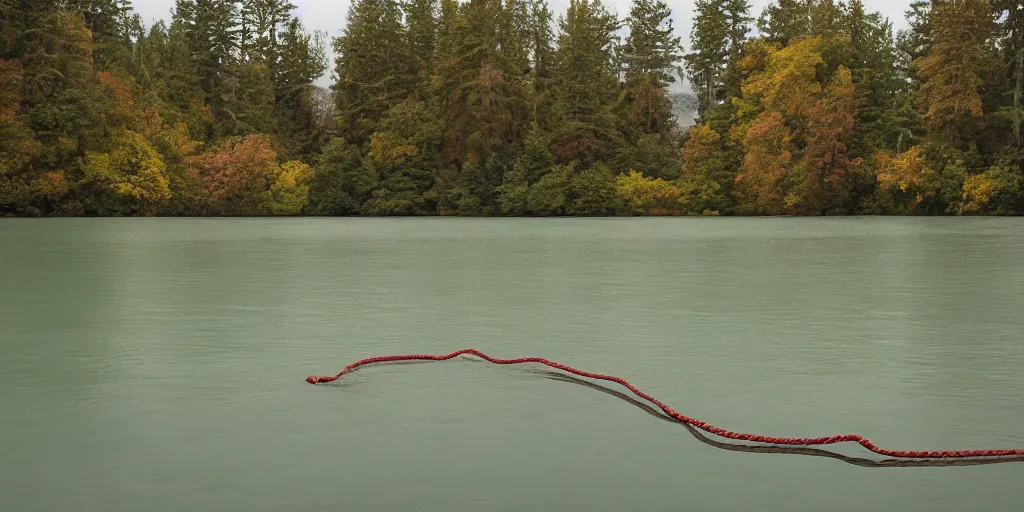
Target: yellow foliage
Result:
[[132, 170], [290, 190], [644, 195], [788, 83], [977, 192], [907, 173], [700, 147]]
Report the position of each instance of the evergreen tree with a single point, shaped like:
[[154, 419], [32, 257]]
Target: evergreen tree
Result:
[[211, 29], [717, 42], [423, 19], [1012, 36], [481, 89], [586, 84], [374, 66], [302, 59], [707, 61], [873, 65], [542, 65], [261, 22], [738, 20], [785, 20], [953, 70], [651, 54]]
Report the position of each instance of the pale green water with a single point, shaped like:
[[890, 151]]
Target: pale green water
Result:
[[158, 364]]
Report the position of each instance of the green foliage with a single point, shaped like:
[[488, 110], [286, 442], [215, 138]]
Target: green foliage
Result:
[[592, 192], [650, 55], [340, 182], [550, 195]]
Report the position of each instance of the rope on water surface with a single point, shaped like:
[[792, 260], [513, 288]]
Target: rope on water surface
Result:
[[786, 441]]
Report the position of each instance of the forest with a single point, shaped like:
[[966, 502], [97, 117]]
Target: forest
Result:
[[503, 107]]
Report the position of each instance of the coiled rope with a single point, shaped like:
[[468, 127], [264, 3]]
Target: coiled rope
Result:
[[706, 427]]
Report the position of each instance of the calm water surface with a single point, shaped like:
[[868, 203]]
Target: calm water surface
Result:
[[158, 364]]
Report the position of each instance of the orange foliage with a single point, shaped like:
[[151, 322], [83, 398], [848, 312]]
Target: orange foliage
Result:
[[241, 171], [17, 144], [769, 152], [53, 185], [124, 110], [827, 162]]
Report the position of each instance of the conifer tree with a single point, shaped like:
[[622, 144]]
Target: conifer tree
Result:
[[785, 20], [651, 54], [586, 83], [374, 66]]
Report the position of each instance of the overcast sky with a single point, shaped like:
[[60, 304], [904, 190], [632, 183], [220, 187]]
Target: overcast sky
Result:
[[329, 15]]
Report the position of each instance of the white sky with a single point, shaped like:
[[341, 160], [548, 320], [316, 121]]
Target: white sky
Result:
[[329, 15]]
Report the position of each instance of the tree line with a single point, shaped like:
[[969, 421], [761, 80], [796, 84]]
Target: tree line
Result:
[[497, 107]]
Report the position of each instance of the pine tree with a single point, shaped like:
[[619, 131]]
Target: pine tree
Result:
[[785, 20], [480, 90], [1012, 35], [826, 18], [706, 63], [261, 23], [651, 54], [717, 42], [873, 65], [112, 24], [211, 28], [374, 66], [542, 64], [423, 19], [302, 59], [738, 20], [585, 83], [953, 69]]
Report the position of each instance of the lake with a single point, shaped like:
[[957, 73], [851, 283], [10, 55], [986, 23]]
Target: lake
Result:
[[159, 364]]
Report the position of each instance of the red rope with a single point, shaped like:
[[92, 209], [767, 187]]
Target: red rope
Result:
[[792, 441]]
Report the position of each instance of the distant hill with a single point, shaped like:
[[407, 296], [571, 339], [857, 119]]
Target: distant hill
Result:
[[684, 107]]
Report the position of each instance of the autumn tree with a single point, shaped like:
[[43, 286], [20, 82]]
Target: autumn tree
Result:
[[762, 185], [643, 195], [825, 174], [906, 184], [486, 107], [239, 172], [130, 178], [707, 178]]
